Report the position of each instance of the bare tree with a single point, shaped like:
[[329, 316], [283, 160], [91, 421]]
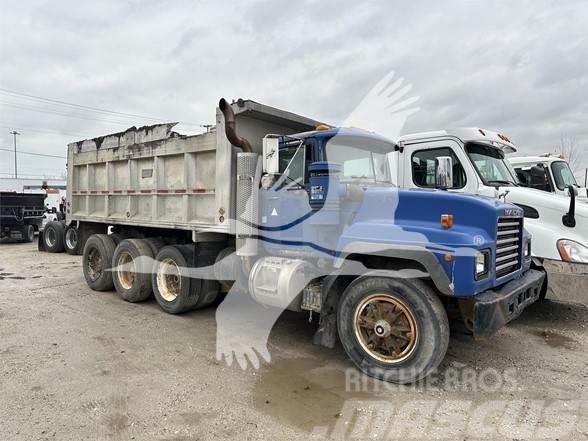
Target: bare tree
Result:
[[571, 152]]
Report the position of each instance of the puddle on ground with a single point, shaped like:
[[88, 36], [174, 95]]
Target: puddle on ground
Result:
[[556, 340], [303, 393]]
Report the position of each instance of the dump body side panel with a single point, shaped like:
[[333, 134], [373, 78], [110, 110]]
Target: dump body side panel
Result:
[[155, 177]]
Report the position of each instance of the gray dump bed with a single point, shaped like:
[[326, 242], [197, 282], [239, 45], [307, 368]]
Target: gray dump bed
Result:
[[155, 177]]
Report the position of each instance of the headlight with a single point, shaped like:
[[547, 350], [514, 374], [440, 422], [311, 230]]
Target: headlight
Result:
[[482, 261], [571, 251]]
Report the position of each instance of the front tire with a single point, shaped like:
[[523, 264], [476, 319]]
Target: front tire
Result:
[[393, 330]]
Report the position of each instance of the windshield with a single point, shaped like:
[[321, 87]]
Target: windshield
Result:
[[562, 175], [358, 163], [491, 165]]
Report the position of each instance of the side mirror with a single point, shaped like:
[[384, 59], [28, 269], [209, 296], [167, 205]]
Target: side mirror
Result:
[[271, 155], [444, 172], [569, 219]]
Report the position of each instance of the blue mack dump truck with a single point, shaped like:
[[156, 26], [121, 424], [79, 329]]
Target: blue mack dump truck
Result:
[[300, 220]]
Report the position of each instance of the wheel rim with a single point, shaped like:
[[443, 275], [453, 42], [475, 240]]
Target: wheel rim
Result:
[[95, 264], [385, 328], [71, 238], [169, 280], [50, 237], [125, 270]]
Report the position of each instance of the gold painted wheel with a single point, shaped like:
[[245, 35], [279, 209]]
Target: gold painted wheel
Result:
[[385, 328], [125, 270], [169, 279]]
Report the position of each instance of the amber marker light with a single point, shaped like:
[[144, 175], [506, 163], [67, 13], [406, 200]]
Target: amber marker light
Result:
[[447, 220]]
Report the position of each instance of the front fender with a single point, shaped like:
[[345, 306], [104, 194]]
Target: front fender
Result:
[[414, 254]]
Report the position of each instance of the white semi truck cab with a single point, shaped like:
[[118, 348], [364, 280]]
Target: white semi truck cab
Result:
[[478, 166], [548, 172]]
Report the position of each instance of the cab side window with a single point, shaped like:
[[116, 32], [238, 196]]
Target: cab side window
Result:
[[424, 171], [296, 161]]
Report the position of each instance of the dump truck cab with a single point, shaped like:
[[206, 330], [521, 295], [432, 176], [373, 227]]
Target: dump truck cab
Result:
[[331, 192]]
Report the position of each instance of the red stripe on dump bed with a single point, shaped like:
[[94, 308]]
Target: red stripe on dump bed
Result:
[[93, 191], [179, 190], [104, 191], [130, 191], [199, 190], [162, 191], [117, 191], [145, 191]]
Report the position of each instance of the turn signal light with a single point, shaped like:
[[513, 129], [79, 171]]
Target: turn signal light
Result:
[[322, 127], [447, 220]]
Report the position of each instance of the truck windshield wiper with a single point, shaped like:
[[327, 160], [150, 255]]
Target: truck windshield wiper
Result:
[[498, 181]]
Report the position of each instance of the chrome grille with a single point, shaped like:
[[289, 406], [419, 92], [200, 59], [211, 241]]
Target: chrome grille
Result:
[[508, 245]]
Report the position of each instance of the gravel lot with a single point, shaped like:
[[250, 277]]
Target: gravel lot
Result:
[[82, 365]]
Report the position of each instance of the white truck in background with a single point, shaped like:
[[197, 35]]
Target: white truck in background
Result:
[[479, 166], [548, 172]]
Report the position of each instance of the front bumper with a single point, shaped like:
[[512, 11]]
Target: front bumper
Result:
[[493, 309]]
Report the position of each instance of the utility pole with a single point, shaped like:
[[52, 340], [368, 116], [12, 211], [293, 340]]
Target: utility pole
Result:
[[14, 133]]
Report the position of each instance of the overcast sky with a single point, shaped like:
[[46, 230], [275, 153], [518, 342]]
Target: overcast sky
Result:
[[517, 67]]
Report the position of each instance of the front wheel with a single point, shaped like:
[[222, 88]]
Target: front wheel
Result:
[[394, 330]]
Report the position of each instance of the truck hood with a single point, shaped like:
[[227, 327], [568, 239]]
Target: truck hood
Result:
[[544, 202], [548, 228]]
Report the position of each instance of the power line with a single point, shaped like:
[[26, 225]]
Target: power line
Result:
[[49, 131], [33, 154], [81, 106], [53, 112]]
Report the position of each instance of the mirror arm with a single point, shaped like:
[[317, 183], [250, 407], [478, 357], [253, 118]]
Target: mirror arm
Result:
[[569, 219]]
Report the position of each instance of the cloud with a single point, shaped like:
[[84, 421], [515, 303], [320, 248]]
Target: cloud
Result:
[[519, 67]]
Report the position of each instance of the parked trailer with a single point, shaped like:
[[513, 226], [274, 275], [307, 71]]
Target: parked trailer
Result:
[[21, 214], [296, 218]]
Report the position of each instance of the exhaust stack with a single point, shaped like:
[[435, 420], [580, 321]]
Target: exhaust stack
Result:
[[230, 130]]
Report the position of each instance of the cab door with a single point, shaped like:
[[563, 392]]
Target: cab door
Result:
[[286, 205], [418, 165]]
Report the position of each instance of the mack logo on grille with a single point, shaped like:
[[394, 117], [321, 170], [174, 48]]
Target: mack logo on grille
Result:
[[513, 212]]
